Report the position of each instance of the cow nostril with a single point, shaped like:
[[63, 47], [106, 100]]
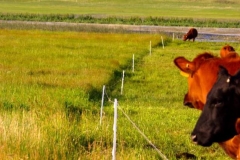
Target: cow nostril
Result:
[[194, 138]]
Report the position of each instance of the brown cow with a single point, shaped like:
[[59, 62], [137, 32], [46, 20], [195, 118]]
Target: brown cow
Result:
[[202, 74], [192, 34], [228, 51]]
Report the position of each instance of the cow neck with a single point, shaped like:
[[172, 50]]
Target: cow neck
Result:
[[232, 147]]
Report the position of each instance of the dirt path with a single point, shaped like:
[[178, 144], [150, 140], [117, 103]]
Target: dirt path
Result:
[[205, 34]]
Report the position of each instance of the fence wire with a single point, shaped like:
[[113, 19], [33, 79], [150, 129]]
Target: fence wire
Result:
[[137, 128]]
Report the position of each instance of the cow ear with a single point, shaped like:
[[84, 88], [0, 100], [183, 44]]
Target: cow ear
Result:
[[236, 78], [224, 75], [237, 75], [184, 65], [222, 71]]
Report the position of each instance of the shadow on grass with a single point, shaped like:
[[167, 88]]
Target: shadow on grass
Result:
[[113, 87], [96, 94]]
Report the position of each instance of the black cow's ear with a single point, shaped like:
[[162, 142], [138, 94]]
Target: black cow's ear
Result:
[[237, 77], [237, 74], [222, 71]]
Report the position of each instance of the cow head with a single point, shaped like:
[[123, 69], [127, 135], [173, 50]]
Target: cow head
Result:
[[185, 37], [191, 34], [221, 111], [194, 97]]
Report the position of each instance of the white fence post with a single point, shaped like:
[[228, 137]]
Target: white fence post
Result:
[[103, 93], [162, 42], [122, 82], [114, 131], [133, 64], [150, 48]]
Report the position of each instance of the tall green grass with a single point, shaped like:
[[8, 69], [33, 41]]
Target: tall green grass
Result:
[[50, 93], [153, 98], [136, 20], [50, 87]]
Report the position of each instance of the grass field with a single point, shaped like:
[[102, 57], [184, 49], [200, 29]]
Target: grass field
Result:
[[205, 9], [51, 91], [158, 95], [51, 83], [50, 80]]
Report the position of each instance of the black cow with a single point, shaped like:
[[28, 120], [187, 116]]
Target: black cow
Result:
[[221, 111]]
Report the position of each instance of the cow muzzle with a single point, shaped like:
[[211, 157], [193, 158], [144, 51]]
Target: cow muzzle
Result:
[[203, 142], [194, 139]]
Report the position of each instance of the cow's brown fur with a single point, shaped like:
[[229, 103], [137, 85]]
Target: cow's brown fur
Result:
[[191, 34], [202, 75], [232, 147], [228, 51]]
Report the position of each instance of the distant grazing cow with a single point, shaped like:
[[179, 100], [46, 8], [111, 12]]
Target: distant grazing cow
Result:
[[192, 34], [202, 74], [219, 120], [228, 51]]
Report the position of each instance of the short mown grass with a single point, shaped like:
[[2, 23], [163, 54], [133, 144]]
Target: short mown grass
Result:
[[153, 98], [205, 13]]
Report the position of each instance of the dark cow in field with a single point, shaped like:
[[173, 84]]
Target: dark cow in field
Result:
[[192, 34], [219, 120], [202, 74], [228, 51]]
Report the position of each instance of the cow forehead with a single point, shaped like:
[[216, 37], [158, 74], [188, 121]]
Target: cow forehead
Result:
[[200, 83], [224, 89], [203, 56], [220, 88], [201, 59]]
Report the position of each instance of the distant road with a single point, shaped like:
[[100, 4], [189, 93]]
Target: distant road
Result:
[[204, 32]]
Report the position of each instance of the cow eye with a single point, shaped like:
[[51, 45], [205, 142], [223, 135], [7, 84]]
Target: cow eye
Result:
[[218, 104]]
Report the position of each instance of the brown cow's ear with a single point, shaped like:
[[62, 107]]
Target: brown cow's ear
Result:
[[184, 65], [237, 125]]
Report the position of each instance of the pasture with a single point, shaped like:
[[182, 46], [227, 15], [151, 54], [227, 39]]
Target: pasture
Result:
[[205, 9], [206, 13], [51, 83], [50, 89]]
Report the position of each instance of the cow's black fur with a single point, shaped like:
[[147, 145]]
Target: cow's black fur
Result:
[[217, 120]]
